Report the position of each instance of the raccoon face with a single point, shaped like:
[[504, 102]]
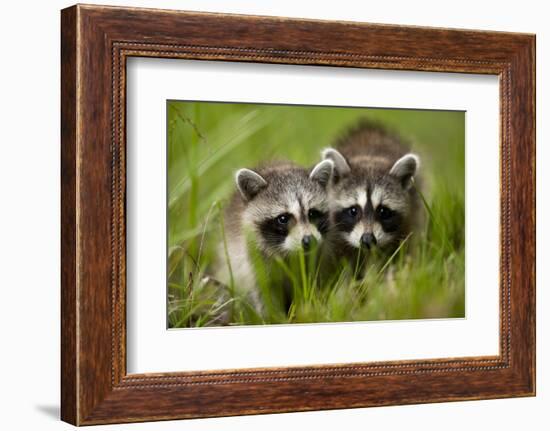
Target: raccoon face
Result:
[[372, 202], [286, 207]]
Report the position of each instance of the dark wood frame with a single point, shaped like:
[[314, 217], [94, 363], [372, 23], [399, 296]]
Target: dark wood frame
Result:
[[95, 43]]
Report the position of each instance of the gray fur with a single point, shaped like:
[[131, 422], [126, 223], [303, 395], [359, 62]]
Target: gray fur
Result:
[[249, 183], [405, 168], [322, 172], [264, 194], [373, 169], [341, 165]]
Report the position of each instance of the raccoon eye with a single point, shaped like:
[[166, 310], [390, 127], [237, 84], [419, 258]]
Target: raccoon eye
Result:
[[283, 218], [352, 211], [314, 214], [384, 213]]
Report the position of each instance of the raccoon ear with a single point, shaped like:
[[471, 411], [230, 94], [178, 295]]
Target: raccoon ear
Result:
[[249, 183], [341, 166], [405, 169], [322, 172]]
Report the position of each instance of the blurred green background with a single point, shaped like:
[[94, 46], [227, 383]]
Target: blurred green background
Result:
[[208, 142]]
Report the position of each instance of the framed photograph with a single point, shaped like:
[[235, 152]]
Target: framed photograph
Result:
[[266, 215]]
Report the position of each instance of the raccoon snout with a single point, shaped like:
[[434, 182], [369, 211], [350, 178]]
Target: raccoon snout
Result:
[[368, 240], [307, 240]]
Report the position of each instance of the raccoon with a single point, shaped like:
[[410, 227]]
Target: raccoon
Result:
[[373, 204], [284, 207]]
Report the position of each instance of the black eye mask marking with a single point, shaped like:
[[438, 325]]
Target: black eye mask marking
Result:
[[283, 219], [390, 220], [347, 218], [313, 214], [319, 219], [275, 230]]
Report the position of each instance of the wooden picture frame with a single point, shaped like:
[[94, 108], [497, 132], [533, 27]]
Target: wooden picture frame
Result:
[[95, 43]]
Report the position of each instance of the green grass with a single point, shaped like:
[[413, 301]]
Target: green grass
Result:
[[208, 142]]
